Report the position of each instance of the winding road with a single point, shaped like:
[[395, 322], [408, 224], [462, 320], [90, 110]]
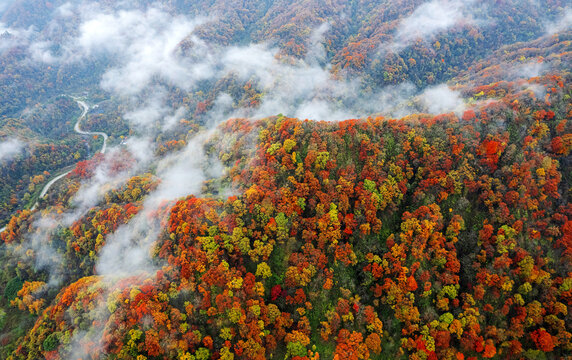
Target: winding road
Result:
[[78, 130]]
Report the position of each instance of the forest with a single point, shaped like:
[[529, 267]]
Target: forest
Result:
[[286, 180]]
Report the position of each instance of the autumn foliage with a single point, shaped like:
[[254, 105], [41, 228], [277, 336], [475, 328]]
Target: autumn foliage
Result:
[[426, 237]]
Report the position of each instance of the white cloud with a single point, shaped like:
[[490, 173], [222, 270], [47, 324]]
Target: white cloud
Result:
[[300, 88], [40, 51], [252, 60], [316, 51], [428, 20], [13, 37], [145, 115], [10, 148], [142, 44], [221, 110], [144, 48], [90, 193], [562, 24], [170, 121], [528, 70], [65, 11], [441, 99], [127, 251], [145, 45]]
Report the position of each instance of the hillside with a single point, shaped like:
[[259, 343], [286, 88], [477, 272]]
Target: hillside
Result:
[[286, 179]]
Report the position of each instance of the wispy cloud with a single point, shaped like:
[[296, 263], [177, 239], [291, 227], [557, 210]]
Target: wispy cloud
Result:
[[145, 45], [12, 37], [426, 21], [127, 251], [561, 24], [10, 148], [441, 99], [47, 223], [151, 49], [429, 20]]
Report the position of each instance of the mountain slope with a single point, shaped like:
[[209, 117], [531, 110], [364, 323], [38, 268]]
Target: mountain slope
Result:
[[428, 218]]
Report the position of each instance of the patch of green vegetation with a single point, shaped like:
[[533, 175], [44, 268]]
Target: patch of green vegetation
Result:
[[12, 288]]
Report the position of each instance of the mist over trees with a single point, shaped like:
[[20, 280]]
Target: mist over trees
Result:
[[285, 179]]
